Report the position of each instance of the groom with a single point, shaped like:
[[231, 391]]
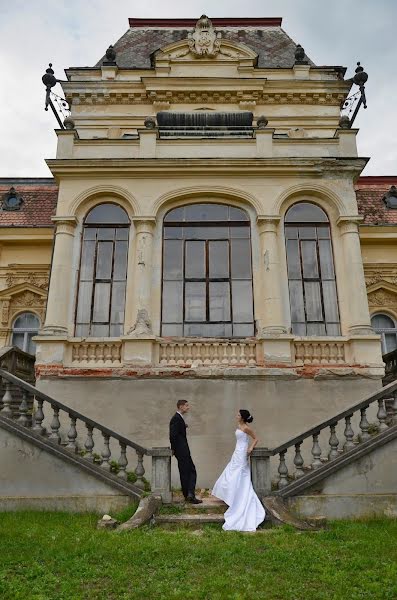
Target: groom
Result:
[[180, 448]]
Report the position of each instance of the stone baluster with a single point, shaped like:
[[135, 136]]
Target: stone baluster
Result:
[[215, 348], [243, 354], [199, 357], [316, 452], [171, 360], [163, 354], [333, 442], [140, 472], [72, 435], [233, 356], [59, 293], [39, 418], [364, 425], [349, 434], [55, 426], [106, 454], [252, 354], [180, 361], [89, 443], [23, 410], [394, 409], [189, 354], [298, 462], [207, 355], [282, 471], [382, 415], [225, 359], [123, 462], [6, 411]]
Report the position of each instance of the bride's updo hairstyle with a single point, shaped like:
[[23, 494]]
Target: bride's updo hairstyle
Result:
[[246, 416]]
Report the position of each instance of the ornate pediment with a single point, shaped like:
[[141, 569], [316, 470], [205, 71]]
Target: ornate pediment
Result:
[[382, 295], [205, 43], [20, 298]]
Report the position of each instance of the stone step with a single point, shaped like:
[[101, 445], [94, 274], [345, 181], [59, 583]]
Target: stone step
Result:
[[216, 507], [188, 519]]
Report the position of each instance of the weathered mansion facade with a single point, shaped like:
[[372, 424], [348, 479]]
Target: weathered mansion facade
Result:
[[208, 211]]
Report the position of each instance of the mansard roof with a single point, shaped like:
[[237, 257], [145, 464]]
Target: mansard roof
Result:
[[39, 195], [135, 49], [370, 192]]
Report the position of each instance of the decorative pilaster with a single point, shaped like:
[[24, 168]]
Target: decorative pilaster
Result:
[[354, 280], [59, 299], [272, 320], [143, 276]]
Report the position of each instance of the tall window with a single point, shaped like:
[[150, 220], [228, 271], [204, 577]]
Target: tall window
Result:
[[387, 329], [311, 274], [24, 328], [103, 272], [207, 273]]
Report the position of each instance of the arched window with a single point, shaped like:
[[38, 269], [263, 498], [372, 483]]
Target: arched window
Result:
[[387, 329], [207, 273], [24, 328], [311, 274], [103, 272]]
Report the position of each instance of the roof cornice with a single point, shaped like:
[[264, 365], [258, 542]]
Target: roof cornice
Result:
[[220, 22]]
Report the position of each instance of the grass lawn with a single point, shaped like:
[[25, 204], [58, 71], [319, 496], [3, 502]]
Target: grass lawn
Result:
[[56, 556]]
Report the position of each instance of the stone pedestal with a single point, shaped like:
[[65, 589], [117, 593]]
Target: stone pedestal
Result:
[[260, 471], [161, 473]]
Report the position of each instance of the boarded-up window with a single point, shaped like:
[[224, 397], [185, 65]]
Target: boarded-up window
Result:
[[207, 273], [103, 272], [311, 273]]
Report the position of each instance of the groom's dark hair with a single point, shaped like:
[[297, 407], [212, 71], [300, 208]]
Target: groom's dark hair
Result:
[[181, 403]]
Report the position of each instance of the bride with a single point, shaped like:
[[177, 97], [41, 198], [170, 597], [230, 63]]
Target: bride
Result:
[[234, 486]]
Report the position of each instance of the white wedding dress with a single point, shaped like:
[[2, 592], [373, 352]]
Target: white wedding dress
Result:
[[234, 487]]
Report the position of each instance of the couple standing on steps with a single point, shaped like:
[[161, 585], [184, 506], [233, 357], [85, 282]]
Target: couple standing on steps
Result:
[[234, 485]]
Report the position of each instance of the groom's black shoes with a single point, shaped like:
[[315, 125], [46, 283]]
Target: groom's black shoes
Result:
[[193, 500]]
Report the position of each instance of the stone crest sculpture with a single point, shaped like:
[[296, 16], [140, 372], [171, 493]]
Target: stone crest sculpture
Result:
[[204, 41]]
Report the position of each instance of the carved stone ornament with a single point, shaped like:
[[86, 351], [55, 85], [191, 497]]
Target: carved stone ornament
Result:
[[382, 298], [204, 41], [143, 326]]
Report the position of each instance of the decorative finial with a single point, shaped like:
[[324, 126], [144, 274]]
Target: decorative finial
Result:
[[204, 41], [300, 55], [49, 78], [110, 56], [261, 122], [361, 77], [344, 122]]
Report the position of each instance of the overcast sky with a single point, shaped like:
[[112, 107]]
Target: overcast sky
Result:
[[77, 33]]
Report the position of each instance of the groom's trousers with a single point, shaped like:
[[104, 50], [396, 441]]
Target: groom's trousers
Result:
[[188, 475]]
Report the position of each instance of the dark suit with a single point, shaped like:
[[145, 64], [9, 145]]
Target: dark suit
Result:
[[179, 445]]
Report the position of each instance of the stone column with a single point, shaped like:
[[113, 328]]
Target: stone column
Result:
[[58, 303], [354, 281], [142, 293], [272, 319]]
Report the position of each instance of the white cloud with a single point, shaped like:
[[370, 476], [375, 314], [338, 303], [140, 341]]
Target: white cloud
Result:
[[77, 34]]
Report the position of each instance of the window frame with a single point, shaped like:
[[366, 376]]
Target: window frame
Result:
[[207, 279], [319, 279], [26, 331], [382, 331], [101, 280]]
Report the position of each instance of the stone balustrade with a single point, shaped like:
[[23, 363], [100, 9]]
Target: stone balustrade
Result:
[[340, 434], [319, 351], [96, 353], [203, 353], [94, 443]]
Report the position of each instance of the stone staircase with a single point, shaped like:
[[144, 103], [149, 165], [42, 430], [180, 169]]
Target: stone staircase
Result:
[[37, 425], [181, 514]]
